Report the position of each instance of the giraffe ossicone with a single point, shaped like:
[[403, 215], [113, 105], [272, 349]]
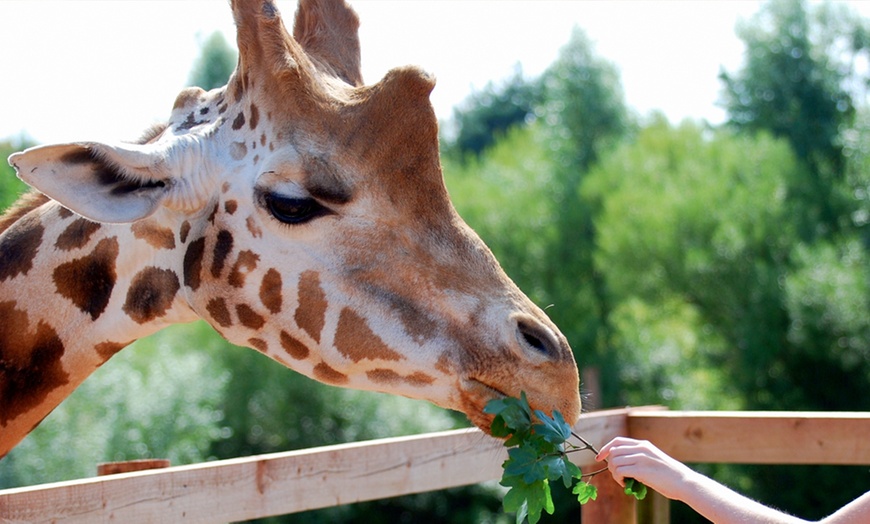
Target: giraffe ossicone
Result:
[[298, 211]]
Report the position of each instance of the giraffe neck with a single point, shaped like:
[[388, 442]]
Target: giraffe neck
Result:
[[70, 298]]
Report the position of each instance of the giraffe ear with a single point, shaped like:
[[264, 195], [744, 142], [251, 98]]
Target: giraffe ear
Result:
[[114, 184], [328, 32]]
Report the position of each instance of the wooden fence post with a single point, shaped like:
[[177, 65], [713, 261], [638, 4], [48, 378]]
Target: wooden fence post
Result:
[[612, 506], [654, 509]]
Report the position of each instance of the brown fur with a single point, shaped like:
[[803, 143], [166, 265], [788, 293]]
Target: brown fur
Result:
[[77, 234], [294, 347], [355, 340], [151, 294], [88, 281], [310, 315], [271, 294], [30, 366]]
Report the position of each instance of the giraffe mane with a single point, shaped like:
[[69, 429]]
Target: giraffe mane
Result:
[[25, 204]]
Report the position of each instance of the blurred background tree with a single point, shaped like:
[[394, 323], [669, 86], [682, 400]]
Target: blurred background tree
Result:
[[694, 266], [10, 186], [215, 64]]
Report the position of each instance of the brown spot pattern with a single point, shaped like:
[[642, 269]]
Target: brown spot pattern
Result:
[[443, 364], [222, 247], [185, 230], [271, 291], [255, 116], [324, 373], [156, 236], [151, 294], [248, 317], [18, 246], [30, 362], [356, 341], [239, 121], [253, 228], [238, 150], [230, 206], [76, 234], [64, 213], [245, 263], [217, 308], [213, 213], [107, 350], [390, 377], [88, 281], [193, 263], [259, 344], [294, 347], [310, 315]]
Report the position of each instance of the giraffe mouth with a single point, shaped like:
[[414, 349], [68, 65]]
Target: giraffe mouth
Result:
[[475, 395], [483, 387]]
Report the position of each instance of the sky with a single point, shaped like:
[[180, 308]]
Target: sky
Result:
[[107, 70]]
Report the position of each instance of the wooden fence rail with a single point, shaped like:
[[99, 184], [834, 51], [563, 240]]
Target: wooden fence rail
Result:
[[274, 484]]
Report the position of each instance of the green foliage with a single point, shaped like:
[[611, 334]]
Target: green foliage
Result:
[[138, 405], [584, 106], [585, 115], [686, 217], [505, 196], [795, 84], [635, 488], [585, 492], [538, 455], [521, 194], [215, 65], [487, 114], [10, 186]]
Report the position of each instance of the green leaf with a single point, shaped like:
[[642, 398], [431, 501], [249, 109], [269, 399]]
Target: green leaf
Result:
[[495, 406], [498, 428], [535, 496], [635, 488], [555, 467], [553, 429], [523, 461], [573, 469], [512, 417], [585, 492]]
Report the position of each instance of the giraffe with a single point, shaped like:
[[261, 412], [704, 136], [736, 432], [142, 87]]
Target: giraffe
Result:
[[299, 211]]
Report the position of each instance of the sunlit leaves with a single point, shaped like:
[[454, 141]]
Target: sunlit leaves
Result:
[[585, 492], [635, 488], [537, 457]]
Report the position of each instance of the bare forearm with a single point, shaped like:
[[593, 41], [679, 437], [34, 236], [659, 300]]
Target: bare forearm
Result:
[[722, 505]]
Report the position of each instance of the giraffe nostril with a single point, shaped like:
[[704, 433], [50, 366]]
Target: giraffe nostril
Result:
[[537, 339]]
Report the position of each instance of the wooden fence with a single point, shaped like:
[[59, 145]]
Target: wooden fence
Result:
[[274, 484]]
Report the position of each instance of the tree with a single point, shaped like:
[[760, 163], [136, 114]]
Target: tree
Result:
[[487, 114], [583, 106], [585, 116], [10, 186], [685, 223], [795, 84], [718, 302], [215, 63]]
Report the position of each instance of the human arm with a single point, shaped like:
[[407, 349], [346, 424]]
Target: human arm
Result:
[[855, 512], [641, 460]]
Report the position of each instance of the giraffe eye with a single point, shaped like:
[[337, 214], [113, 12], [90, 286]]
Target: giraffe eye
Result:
[[293, 210]]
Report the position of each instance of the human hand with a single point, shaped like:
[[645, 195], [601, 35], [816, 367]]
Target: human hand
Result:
[[641, 460]]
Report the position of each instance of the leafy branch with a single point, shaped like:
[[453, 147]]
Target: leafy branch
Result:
[[537, 455]]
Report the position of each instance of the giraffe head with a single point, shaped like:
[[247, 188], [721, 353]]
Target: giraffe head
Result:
[[314, 224]]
